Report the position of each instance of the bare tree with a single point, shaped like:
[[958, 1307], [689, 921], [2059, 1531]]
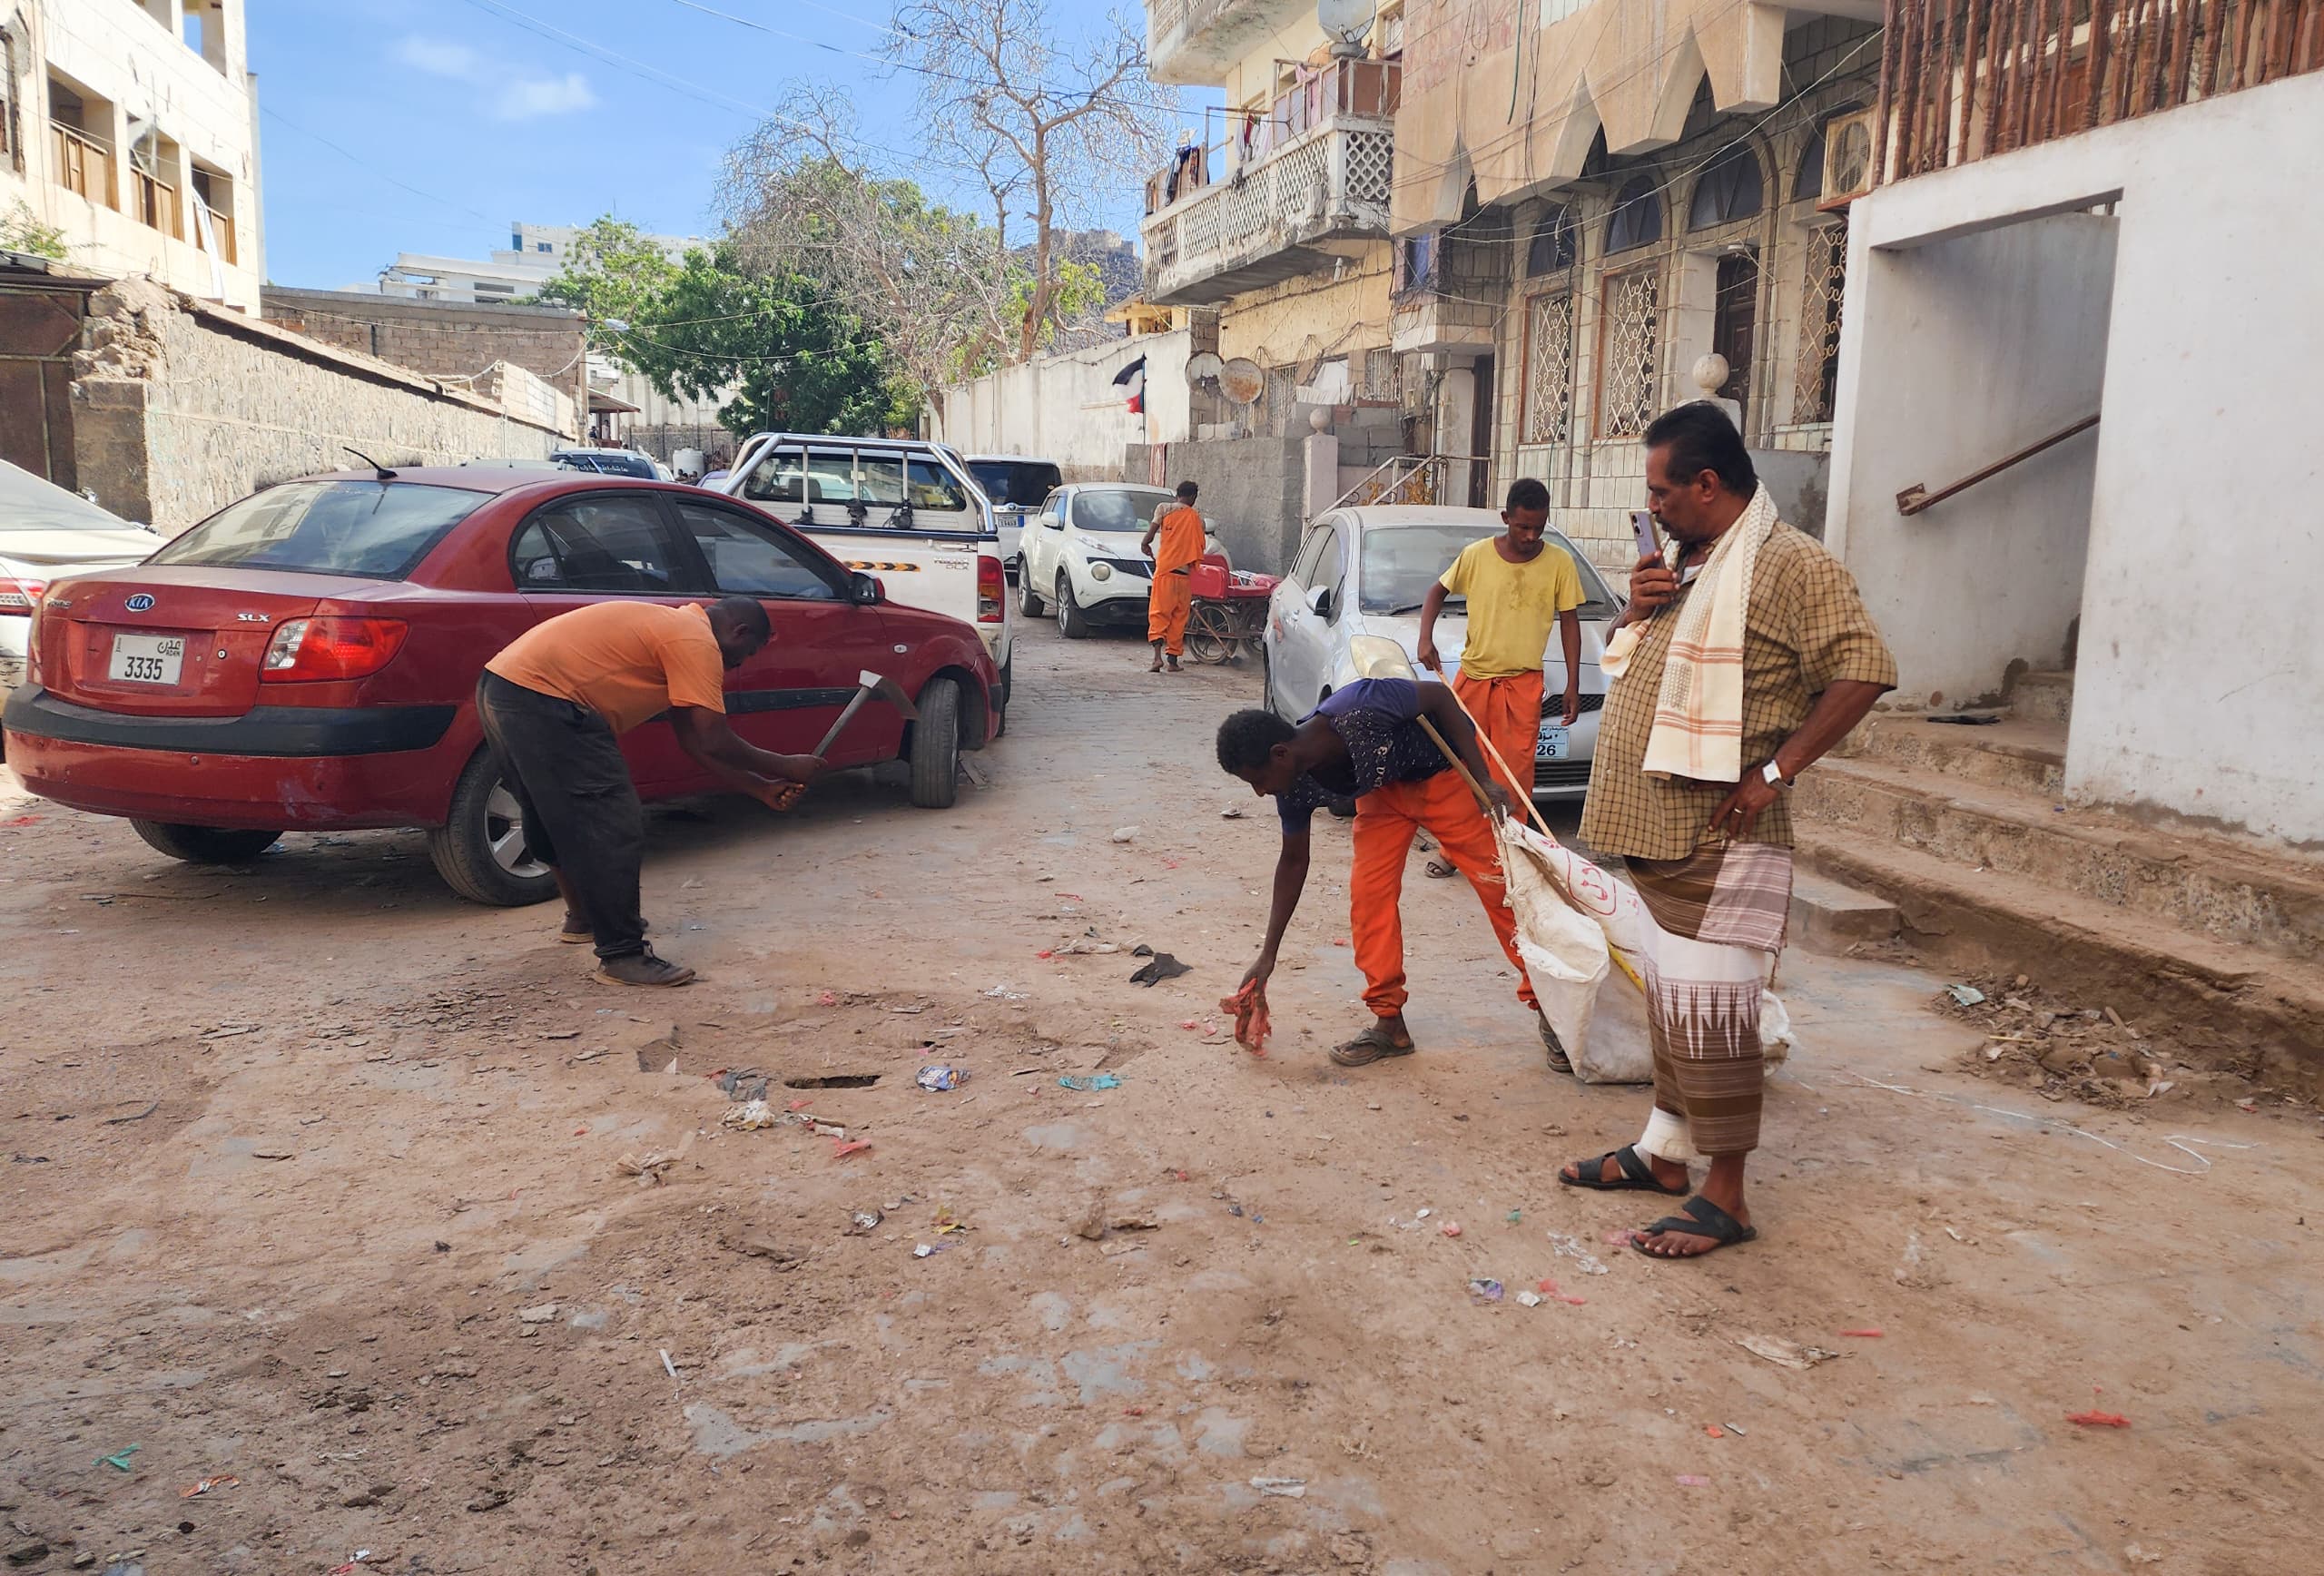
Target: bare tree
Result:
[[1048, 126]]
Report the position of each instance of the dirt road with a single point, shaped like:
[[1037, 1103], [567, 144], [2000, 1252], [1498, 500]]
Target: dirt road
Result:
[[314, 1184]]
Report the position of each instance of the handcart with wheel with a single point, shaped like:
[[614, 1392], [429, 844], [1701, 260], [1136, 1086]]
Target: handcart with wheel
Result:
[[1230, 610]]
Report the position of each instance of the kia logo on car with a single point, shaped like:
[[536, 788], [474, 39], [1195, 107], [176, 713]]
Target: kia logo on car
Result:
[[140, 602]]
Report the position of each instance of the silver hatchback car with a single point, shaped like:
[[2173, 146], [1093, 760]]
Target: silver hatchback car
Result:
[[1363, 571]]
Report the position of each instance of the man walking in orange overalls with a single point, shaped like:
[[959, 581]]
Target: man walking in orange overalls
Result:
[[1172, 596], [1516, 586], [1365, 743]]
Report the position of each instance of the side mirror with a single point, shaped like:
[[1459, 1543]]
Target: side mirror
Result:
[[1053, 522], [868, 591], [1319, 602]]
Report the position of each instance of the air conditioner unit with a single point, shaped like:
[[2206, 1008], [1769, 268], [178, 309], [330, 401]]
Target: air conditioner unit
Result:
[[1848, 144]]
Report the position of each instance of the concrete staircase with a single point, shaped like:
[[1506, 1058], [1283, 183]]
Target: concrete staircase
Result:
[[2210, 940]]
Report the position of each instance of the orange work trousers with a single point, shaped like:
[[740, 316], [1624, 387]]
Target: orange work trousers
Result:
[[1509, 712], [1167, 607], [1385, 820]]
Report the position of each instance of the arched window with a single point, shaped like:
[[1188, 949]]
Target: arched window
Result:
[[1807, 184], [1551, 247], [1728, 189], [1637, 218]]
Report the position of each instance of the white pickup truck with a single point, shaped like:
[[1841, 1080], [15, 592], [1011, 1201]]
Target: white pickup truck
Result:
[[904, 509]]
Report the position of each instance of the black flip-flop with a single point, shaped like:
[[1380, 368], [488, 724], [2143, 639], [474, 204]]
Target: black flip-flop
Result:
[[1372, 1045], [1636, 1176], [1697, 1217], [1440, 870]]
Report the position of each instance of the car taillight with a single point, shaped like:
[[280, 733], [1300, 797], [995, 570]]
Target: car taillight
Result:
[[20, 597], [991, 593], [330, 648]]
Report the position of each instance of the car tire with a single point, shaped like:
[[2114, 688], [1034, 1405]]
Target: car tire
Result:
[[1071, 622], [480, 849], [936, 746], [1029, 601], [204, 845]]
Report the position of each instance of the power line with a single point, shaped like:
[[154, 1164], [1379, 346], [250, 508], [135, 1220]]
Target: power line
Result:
[[275, 114]]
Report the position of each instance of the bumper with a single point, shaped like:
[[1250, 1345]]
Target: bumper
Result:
[[326, 770]]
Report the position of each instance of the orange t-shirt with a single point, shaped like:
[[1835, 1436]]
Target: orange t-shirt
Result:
[[625, 661], [1181, 541]]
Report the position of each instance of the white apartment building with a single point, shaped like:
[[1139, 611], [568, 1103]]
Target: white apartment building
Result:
[[130, 128], [534, 255]]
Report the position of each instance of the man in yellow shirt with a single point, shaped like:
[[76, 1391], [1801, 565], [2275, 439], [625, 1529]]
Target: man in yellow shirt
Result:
[[554, 705], [1517, 586], [1172, 597]]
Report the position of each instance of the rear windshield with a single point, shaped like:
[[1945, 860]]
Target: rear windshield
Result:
[[1015, 481], [378, 529], [607, 464], [1117, 508]]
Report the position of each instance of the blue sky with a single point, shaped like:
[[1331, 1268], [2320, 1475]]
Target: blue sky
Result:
[[427, 125]]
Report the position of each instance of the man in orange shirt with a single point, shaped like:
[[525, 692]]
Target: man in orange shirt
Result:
[[554, 705], [1172, 597]]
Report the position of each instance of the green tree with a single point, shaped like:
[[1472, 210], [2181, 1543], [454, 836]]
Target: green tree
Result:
[[613, 273], [22, 230]]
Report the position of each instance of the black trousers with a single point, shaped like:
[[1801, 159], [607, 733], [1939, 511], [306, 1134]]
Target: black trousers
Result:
[[582, 814]]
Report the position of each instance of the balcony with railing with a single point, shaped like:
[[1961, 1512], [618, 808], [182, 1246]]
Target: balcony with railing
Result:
[[84, 164], [1193, 42], [1307, 181], [222, 226], [1960, 80], [154, 202]]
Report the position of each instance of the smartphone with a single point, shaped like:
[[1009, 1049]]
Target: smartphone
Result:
[[1642, 522]]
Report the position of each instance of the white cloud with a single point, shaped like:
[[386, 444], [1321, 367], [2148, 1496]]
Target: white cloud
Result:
[[530, 98], [437, 58]]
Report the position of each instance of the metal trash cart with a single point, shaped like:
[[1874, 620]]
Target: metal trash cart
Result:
[[1230, 611]]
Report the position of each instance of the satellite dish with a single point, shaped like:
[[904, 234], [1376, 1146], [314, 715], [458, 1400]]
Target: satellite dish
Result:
[[1241, 382], [1201, 368], [1347, 20]]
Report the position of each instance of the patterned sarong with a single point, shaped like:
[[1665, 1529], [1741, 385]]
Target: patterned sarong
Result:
[[1716, 921]]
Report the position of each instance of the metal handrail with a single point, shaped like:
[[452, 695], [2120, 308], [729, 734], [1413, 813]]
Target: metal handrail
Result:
[[1916, 497]]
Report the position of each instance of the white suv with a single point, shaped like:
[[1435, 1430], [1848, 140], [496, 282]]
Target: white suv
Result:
[[1081, 556]]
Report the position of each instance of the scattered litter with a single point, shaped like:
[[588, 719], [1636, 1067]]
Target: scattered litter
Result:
[[1232, 813], [1548, 1289], [1141, 951], [1004, 994], [1249, 1006], [1125, 833], [924, 1250], [1530, 1299], [1785, 1354], [865, 1220], [1486, 1291], [1104, 1081], [1966, 995], [2099, 1419], [667, 1366], [226, 1480], [1284, 1488], [1571, 1247], [1714, 1430], [1732, 1429], [118, 1460], [1515, 1218], [1686, 1480], [750, 1116], [1189, 1023], [1866, 1335], [847, 1147], [951, 1225], [1162, 966], [743, 1083], [827, 999], [1450, 1229], [1422, 1214], [539, 1313], [942, 1080], [648, 1167]]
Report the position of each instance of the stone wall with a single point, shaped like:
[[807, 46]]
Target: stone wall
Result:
[[450, 340], [180, 409], [1253, 491]]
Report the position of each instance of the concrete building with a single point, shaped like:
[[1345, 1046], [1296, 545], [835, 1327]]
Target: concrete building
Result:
[[1592, 197], [535, 255], [130, 128]]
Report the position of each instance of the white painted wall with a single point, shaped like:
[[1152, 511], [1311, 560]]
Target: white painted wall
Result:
[[1992, 340], [1065, 407], [2200, 685]]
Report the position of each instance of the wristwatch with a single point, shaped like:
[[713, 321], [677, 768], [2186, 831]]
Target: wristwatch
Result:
[[1775, 777]]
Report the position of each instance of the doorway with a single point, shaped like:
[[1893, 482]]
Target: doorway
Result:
[[1735, 315], [1480, 407]]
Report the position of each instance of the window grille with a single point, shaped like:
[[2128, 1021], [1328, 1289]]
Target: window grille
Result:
[[1819, 369], [1549, 369], [1631, 333]]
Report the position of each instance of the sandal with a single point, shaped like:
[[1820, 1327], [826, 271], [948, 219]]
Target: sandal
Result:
[[1697, 1216], [1637, 1177], [1440, 870], [1369, 1047]]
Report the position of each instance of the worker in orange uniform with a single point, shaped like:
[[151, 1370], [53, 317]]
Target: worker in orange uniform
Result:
[[1172, 595], [1365, 743], [1516, 586]]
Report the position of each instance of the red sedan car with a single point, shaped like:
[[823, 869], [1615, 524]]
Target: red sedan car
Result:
[[306, 659]]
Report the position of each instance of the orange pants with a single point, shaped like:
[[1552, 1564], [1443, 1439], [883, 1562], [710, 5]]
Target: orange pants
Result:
[[1385, 820], [1167, 607], [1509, 712]]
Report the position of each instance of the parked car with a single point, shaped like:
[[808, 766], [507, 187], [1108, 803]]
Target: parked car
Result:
[[46, 534], [306, 658], [902, 509], [610, 462], [1082, 555], [1017, 486], [1363, 571]]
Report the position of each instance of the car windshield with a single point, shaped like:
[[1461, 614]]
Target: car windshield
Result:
[[1402, 562], [1117, 508], [1015, 481], [379, 529]]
